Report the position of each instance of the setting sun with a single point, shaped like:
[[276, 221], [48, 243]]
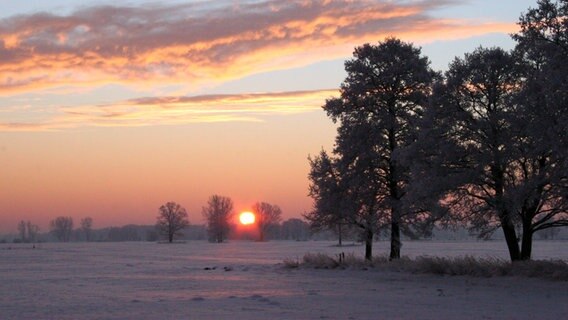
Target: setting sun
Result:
[[246, 218]]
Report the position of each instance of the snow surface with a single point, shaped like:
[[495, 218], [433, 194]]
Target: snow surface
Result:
[[246, 280]]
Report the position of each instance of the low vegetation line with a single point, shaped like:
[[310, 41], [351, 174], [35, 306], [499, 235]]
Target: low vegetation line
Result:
[[457, 266]]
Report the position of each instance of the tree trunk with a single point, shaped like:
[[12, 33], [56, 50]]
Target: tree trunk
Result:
[[340, 234], [395, 241], [510, 238], [368, 245], [526, 245], [171, 237]]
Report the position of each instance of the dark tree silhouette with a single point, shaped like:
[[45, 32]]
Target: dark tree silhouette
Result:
[[502, 121], [470, 137], [542, 44], [61, 228], [87, 227], [382, 99], [218, 214], [22, 231], [332, 205], [172, 218], [266, 216], [32, 232]]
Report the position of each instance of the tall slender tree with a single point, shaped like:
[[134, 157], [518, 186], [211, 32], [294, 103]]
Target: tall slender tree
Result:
[[22, 231], [87, 227], [382, 99], [33, 231], [331, 204]]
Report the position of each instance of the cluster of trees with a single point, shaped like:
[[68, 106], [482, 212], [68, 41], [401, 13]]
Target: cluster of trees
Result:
[[171, 223], [218, 214], [27, 232], [485, 144], [62, 228]]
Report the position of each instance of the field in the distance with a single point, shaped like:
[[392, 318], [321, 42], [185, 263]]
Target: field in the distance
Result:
[[246, 280]]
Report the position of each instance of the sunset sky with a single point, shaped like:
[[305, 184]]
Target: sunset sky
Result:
[[110, 109]]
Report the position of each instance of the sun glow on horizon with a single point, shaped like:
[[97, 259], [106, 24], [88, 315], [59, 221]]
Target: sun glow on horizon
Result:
[[246, 218]]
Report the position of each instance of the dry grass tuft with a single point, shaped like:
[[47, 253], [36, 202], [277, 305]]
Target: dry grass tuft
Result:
[[458, 266]]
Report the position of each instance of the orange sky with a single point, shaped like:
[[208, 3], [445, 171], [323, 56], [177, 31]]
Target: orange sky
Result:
[[111, 111]]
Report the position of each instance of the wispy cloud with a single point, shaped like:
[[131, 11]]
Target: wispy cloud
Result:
[[205, 42], [180, 110]]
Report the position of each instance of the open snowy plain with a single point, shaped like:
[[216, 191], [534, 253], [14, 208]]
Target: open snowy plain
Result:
[[247, 280]]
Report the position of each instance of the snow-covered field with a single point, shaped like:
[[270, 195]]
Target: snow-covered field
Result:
[[246, 280]]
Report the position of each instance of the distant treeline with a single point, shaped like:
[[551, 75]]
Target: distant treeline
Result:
[[292, 229]]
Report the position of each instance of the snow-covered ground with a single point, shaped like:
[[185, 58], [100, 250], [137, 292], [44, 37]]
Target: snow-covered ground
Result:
[[246, 280]]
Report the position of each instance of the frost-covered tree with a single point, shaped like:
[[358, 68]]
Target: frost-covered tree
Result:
[[332, 207], [218, 214], [172, 218], [471, 126], [62, 228], [494, 145], [266, 215], [381, 100], [488, 163], [542, 44]]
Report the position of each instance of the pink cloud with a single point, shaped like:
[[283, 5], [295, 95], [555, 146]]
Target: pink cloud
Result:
[[249, 107], [193, 43]]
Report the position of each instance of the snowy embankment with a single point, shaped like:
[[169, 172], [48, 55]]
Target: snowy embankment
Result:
[[246, 280]]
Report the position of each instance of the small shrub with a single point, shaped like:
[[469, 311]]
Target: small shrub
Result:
[[319, 260], [291, 263]]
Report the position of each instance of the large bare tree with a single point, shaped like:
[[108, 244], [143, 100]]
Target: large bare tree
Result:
[[218, 214], [172, 218], [266, 215]]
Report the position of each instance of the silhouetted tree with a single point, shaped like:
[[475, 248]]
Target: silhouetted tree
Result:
[[381, 101], [172, 218], [62, 227], [333, 207], [542, 191], [266, 216], [218, 214], [87, 227], [501, 122], [22, 231], [33, 231], [470, 140]]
